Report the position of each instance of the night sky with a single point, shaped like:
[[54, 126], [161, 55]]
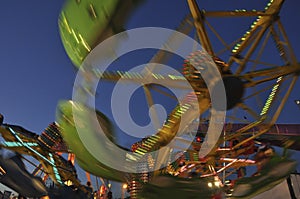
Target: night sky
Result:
[[36, 72]]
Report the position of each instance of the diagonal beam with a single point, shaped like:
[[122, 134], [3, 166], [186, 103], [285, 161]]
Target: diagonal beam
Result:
[[199, 24]]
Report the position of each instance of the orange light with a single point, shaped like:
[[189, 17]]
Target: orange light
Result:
[[125, 186], [102, 190]]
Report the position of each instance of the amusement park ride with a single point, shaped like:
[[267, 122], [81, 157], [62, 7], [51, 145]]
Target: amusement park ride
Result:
[[254, 86]]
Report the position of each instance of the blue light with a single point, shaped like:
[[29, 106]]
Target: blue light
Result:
[[55, 170], [28, 147]]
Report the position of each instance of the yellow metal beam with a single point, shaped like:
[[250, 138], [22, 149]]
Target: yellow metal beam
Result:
[[199, 24]]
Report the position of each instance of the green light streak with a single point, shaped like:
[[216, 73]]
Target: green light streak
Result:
[[237, 46], [271, 97]]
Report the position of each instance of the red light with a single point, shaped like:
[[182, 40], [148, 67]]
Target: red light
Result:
[[198, 139]]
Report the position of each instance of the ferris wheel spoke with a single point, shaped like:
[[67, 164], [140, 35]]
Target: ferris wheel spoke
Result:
[[162, 56], [268, 74], [248, 109], [284, 99], [227, 47], [199, 24], [156, 88], [291, 52], [171, 81], [259, 62]]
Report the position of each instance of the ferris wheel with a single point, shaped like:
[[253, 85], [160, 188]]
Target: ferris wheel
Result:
[[256, 84]]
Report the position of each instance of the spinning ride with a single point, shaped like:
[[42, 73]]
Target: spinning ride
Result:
[[257, 89]]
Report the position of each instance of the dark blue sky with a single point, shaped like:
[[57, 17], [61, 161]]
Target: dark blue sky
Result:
[[36, 72]]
